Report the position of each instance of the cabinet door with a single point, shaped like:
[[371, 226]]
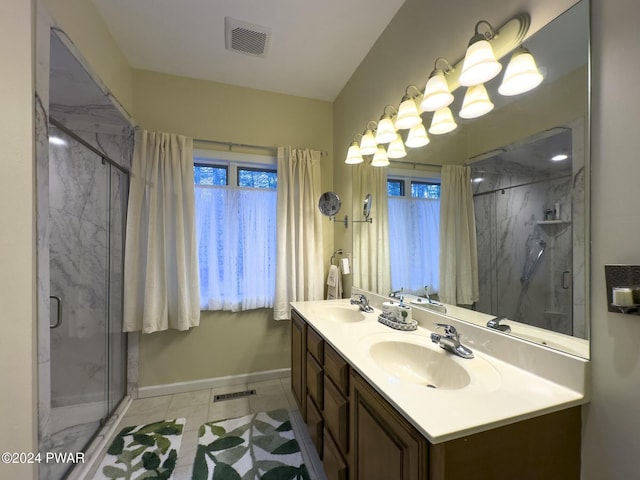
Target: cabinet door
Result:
[[315, 425], [315, 381], [299, 362], [383, 445], [335, 468], [336, 414]]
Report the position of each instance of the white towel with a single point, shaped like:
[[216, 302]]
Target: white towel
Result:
[[334, 284]]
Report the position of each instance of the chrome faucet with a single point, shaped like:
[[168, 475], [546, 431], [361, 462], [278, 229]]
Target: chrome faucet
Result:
[[426, 293], [496, 325], [395, 293], [450, 341], [362, 302]]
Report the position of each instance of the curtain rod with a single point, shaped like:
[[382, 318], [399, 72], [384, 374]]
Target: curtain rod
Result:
[[415, 164], [244, 145], [82, 141]]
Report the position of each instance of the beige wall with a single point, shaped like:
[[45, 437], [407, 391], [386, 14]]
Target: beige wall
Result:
[[18, 355], [227, 343], [81, 21], [611, 447]]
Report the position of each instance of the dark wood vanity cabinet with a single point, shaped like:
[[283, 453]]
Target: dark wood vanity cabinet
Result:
[[359, 435]]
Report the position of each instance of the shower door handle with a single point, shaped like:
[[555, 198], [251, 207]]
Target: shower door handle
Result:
[[566, 275], [58, 310]]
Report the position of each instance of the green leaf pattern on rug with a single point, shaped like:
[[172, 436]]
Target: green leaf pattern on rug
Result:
[[148, 451], [258, 446]]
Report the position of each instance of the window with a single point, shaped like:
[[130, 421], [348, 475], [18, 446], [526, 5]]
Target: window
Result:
[[414, 234], [236, 231]]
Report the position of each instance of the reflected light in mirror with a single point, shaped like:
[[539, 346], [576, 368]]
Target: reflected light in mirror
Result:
[[559, 157], [386, 132], [442, 122], [521, 75], [476, 102], [396, 148], [56, 141], [408, 115], [368, 144], [380, 158], [417, 137]]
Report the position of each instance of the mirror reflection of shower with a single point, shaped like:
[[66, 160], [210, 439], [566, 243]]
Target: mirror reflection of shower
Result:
[[524, 198]]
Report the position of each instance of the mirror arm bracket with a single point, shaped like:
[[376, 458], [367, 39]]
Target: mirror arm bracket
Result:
[[345, 221]]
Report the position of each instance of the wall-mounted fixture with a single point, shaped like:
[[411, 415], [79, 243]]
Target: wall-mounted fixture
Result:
[[436, 93], [476, 102], [396, 147], [368, 145], [623, 288], [354, 155], [408, 115], [442, 122], [386, 131], [521, 75], [366, 210], [479, 65], [417, 137], [329, 205], [380, 158]]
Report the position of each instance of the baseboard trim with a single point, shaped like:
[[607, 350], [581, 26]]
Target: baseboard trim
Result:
[[182, 387]]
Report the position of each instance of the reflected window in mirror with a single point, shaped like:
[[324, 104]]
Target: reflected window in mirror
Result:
[[414, 234]]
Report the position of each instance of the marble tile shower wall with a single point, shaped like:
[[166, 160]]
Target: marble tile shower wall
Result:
[[83, 248], [507, 225]]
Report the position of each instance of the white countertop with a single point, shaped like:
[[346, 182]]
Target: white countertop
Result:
[[499, 393]]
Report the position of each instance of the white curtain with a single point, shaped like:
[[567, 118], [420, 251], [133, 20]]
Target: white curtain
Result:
[[458, 247], [299, 270], [161, 264], [236, 230], [371, 269], [414, 243]]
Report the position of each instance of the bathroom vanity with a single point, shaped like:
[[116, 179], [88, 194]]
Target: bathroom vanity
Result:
[[383, 404]]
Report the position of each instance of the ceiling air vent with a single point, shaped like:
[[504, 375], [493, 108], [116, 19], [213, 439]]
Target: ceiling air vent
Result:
[[247, 38]]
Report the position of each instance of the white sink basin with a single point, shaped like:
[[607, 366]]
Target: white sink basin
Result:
[[413, 358], [419, 364], [341, 312]]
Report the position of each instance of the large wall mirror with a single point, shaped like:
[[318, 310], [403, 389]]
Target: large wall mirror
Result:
[[529, 160]]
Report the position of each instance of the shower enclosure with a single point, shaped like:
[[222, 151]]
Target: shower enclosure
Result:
[[524, 205], [84, 145], [87, 208]]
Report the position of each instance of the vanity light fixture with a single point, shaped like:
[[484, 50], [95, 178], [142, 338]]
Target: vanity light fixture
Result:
[[354, 156], [408, 115], [480, 64], [476, 102], [437, 94], [386, 131], [442, 122], [521, 74], [417, 137], [380, 158], [368, 145], [396, 148]]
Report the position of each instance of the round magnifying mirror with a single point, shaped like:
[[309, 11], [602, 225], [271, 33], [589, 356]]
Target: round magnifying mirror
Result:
[[329, 203], [366, 209]]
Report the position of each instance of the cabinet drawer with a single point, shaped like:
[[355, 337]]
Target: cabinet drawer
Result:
[[336, 415], [337, 369], [314, 425], [335, 467], [315, 377], [315, 345]]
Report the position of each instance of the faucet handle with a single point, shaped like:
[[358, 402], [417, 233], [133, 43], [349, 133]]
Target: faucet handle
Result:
[[449, 330]]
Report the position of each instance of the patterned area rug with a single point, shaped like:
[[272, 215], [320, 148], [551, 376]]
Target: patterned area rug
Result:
[[258, 446], [147, 451]]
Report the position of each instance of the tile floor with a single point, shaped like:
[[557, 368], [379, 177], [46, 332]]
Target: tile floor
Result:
[[197, 407]]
